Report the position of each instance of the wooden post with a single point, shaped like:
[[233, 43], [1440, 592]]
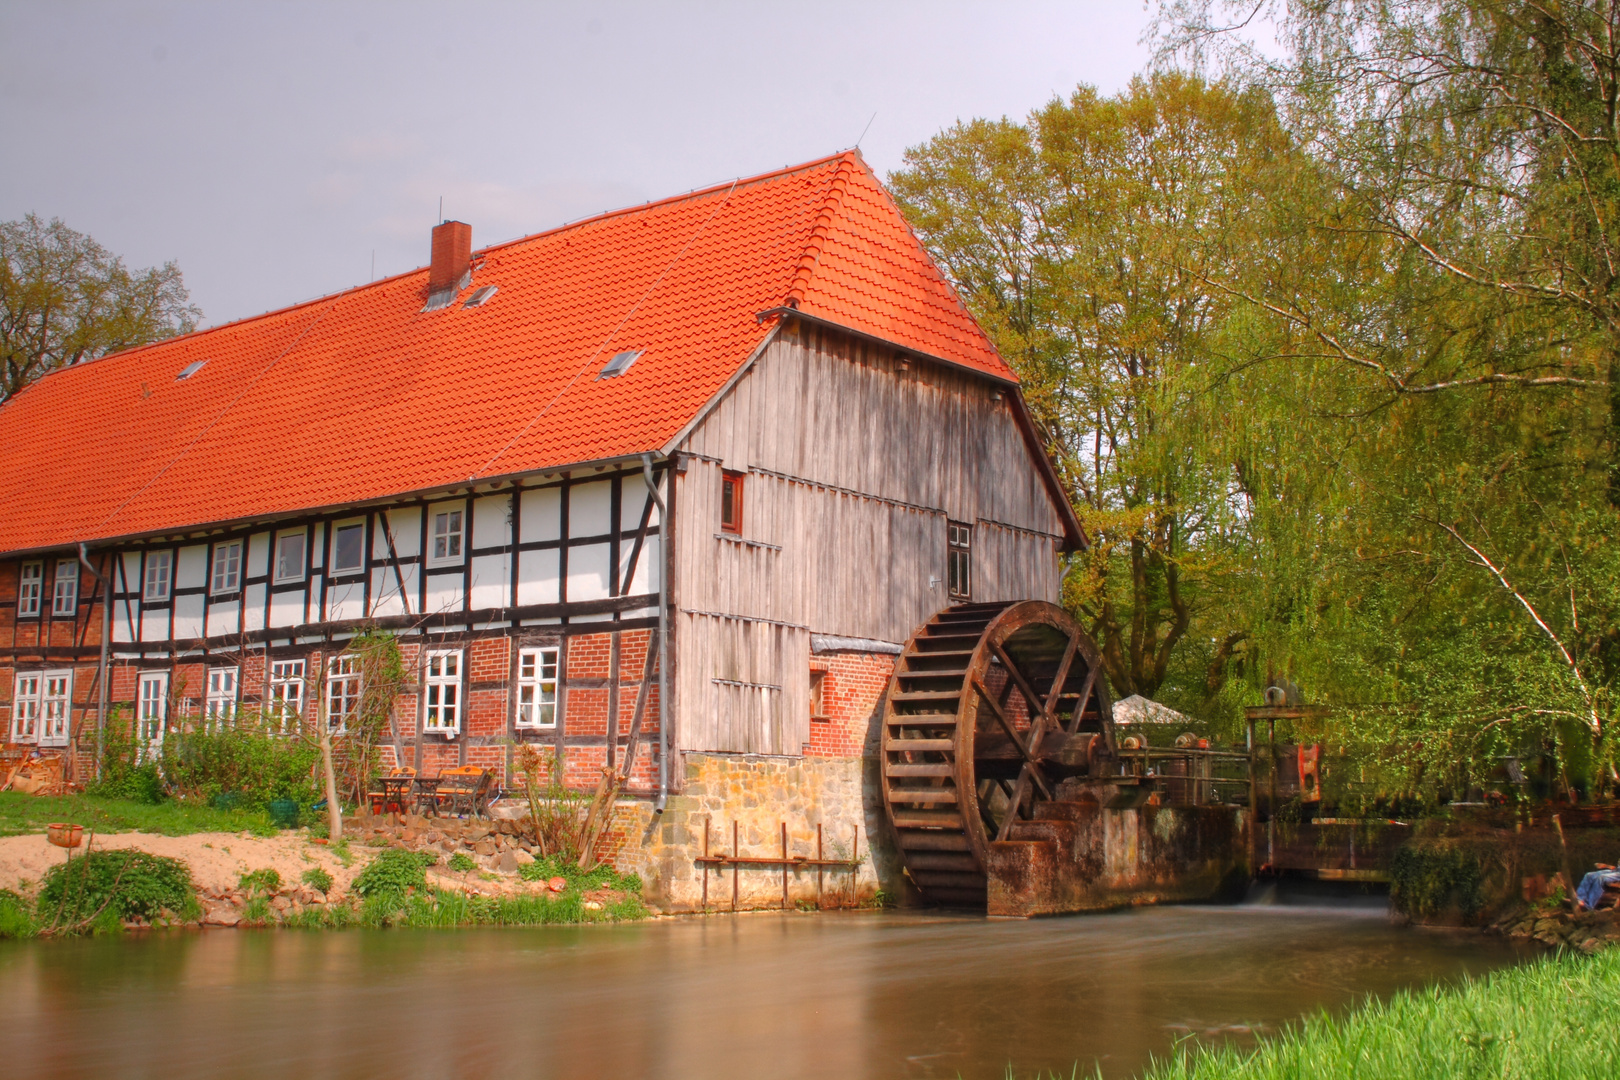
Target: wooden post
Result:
[[706, 865], [819, 868], [734, 865], [784, 866]]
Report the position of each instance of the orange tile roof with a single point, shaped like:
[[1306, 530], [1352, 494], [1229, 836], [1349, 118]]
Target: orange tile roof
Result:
[[361, 395]]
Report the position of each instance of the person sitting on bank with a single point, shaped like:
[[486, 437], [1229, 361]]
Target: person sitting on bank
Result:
[[1590, 890]]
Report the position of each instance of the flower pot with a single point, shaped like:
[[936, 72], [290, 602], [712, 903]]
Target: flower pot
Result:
[[65, 835]]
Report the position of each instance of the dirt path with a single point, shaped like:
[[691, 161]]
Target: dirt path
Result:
[[217, 860]]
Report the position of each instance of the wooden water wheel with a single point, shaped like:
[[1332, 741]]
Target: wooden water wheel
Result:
[[989, 708]]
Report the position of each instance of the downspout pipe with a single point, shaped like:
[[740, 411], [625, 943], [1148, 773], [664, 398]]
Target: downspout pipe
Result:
[[106, 649], [663, 634]]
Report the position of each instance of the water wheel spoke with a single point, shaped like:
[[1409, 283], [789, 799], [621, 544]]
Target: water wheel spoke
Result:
[[1080, 705]]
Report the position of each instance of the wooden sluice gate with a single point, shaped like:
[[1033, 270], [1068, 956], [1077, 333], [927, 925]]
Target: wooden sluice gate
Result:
[[1009, 789], [786, 864]]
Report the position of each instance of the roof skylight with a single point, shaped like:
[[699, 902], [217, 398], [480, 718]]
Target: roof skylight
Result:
[[189, 370], [480, 295], [619, 364]]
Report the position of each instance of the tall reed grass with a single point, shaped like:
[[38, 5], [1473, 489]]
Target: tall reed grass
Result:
[[1558, 1017]]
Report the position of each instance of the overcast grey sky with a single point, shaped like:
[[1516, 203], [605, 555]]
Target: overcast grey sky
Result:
[[271, 148]]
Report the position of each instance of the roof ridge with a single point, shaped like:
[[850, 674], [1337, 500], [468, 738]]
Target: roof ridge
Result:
[[817, 243]]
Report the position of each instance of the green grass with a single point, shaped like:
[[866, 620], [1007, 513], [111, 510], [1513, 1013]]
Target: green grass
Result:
[[20, 814], [1556, 1018]]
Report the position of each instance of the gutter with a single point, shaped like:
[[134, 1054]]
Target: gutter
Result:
[[663, 634], [106, 647]]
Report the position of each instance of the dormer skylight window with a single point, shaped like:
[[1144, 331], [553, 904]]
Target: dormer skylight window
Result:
[[619, 364], [189, 370], [479, 296]]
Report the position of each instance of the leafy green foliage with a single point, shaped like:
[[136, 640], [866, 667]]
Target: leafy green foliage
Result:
[[392, 872], [318, 878], [599, 877], [461, 862], [124, 883], [266, 880], [16, 916], [1430, 878], [1543, 1021], [125, 774], [245, 757], [64, 298]]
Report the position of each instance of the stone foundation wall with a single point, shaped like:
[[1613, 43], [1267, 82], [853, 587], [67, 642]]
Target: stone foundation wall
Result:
[[760, 795]]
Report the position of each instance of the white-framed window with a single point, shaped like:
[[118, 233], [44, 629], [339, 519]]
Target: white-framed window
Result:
[[290, 548], [25, 707], [445, 535], [227, 576], [443, 686], [286, 693], [219, 708], [30, 587], [348, 547], [152, 709], [56, 708], [342, 691], [537, 688], [159, 575], [959, 553], [65, 597]]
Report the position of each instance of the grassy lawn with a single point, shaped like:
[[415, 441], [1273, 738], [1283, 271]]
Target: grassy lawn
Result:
[[1558, 1017], [21, 814]]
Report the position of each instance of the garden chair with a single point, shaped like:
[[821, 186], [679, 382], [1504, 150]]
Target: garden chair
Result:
[[395, 789]]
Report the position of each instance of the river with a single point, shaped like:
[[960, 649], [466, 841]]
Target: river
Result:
[[761, 997]]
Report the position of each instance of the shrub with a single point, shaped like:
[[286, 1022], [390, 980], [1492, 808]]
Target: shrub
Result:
[[122, 884], [461, 862], [267, 880], [246, 759], [16, 918], [123, 774], [1427, 879], [392, 872], [318, 878], [600, 877]]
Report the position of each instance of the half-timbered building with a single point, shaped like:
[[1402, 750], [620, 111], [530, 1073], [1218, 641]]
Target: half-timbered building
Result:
[[663, 489]]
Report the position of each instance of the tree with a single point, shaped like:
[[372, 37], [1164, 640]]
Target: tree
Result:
[[1453, 278], [1084, 240], [65, 299]]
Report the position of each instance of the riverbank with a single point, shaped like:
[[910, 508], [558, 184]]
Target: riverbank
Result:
[[1554, 1018]]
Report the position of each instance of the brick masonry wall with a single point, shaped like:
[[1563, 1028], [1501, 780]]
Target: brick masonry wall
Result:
[[852, 686]]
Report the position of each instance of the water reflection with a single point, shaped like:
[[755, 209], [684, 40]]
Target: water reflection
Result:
[[764, 996]]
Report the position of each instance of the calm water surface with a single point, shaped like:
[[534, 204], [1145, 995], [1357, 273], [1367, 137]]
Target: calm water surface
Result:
[[760, 997]]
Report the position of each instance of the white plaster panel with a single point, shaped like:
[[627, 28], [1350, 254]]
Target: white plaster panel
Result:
[[155, 624], [590, 509], [406, 522], [253, 607], [258, 556], [588, 572], [443, 593], [287, 608], [316, 585], [125, 620], [537, 578], [633, 500], [385, 598], [132, 572], [222, 618], [191, 569], [491, 578], [646, 580], [188, 616], [540, 515], [346, 599], [317, 546], [492, 521]]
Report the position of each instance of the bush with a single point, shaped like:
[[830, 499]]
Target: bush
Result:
[[16, 918], [601, 877], [1427, 879], [392, 872], [267, 880], [122, 884], [123, 774], [461, 862], [318, 878], [245, 760]]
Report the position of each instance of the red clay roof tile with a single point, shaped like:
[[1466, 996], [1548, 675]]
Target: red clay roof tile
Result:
[[361, 395]]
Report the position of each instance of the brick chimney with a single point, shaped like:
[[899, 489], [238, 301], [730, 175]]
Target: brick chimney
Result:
[[452, 255]]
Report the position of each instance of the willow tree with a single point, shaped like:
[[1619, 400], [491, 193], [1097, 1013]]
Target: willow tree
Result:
[[1456, 282], [1084, 240]]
